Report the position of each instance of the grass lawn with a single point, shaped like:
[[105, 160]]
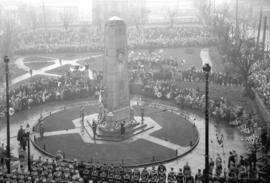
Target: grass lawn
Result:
[[63, 120], [60, 70], [94, 63], [174, 129], [137, 152], [191, 55], [70, 56], [38, 65], [37, 58], [15, 71]]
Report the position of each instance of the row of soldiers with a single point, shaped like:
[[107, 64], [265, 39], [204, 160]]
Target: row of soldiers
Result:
[[119, 174]]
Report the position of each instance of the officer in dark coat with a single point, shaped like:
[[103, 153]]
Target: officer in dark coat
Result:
[[123, 128], [94, 128], [20, 135], [142, 114]]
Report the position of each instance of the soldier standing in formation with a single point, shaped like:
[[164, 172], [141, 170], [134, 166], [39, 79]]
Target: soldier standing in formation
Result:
[[142, 114], [94, 128]]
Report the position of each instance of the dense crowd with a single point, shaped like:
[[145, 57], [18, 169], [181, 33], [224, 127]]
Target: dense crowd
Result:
[[91, 39], [145, 65], [40, 91], [260, 79], [160, 78], [157, 77], [238, 169]]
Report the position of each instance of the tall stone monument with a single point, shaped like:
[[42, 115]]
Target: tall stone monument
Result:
[[116, 99]]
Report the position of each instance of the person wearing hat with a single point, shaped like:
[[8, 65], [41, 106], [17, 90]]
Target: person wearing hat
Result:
[[20, 135], [171, 176], [94, 128], [144, 175], [77, 173]]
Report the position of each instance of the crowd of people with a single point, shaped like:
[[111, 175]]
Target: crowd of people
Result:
[[154, 75], [157, 76], [40, 91], [91, 39], [260, 79], [147, 65], [238, 169]]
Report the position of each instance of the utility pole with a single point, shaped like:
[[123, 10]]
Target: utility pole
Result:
[[236, 22], [206, 69], [44, 15], [259, 29], [264, 33]]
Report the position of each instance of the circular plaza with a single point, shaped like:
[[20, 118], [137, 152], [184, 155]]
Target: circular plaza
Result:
[[164, 135]]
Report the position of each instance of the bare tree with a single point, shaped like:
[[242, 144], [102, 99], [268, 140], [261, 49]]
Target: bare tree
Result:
[[33, 18], [138, 17], [27, 16], [243, 55], [171, 14], [8, 40], [9, 36], [66, 17]]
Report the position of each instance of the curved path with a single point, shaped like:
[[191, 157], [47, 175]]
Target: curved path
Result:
[[43, 71]]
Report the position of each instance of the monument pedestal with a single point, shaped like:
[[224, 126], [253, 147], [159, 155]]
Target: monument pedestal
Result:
[[121, 114]]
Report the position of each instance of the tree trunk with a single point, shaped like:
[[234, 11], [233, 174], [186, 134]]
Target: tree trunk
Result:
[[246, 84]]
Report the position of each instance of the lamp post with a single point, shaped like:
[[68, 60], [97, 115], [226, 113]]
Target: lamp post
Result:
[[206, 69], [6, 60], [27, 130]]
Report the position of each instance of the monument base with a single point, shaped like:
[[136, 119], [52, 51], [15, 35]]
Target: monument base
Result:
[[114, 119], [121, 114]]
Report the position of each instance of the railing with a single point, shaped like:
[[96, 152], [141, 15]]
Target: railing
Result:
[[126, 162]]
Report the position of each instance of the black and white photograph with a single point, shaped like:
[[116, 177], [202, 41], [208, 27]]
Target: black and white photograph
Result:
[[134, 91]]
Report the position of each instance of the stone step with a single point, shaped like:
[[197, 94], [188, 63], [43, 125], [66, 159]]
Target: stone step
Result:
[[117, 132], [127, 131], [127, 136]]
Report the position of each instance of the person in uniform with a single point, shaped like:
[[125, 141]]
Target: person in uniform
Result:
[[199, 177], [82, 113], [180, 177], [94, 128], [144, 175], [142, 114], [20, 135], [171, 176], [123, 128], [31, 72], [136, 176]]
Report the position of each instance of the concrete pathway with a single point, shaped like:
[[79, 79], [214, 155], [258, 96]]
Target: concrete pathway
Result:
[[44, 70]]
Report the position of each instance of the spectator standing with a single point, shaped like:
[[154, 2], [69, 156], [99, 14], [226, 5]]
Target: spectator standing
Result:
[[41, 130], [20, 135], [94, 128], [180, 177]]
